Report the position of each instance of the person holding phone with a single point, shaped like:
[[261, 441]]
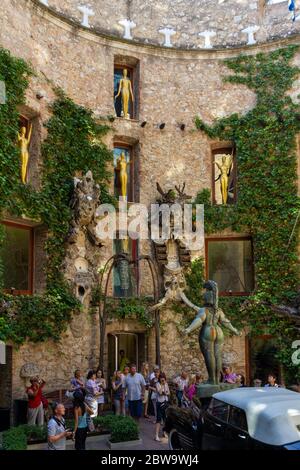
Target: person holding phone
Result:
[[57, 432], [163, 395], [35, 413], [81, 413]]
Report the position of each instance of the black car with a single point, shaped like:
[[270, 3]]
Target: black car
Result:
[[243, 418], [184, 426]]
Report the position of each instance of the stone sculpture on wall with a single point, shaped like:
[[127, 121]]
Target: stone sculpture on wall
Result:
[[172, 254], [85, 201]]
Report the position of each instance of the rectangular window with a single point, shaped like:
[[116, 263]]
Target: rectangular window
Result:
[[230, 263], [17, 257], [127, 151], [125, 275], [238, 419], [224, 176], [118, 75]]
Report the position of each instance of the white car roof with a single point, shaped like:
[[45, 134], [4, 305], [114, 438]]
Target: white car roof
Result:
[[273, 414]]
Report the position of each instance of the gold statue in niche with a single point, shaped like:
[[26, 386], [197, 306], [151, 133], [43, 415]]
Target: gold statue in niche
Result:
[[23, 143], [125, 89], [122, 165], [225, 168], [125, 245]]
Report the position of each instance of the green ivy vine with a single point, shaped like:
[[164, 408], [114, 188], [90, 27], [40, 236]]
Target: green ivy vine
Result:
[[73, 144], [267, 206], [132, 308]]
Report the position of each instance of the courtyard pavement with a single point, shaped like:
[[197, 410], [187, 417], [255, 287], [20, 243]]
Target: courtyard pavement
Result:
[[147, 432]]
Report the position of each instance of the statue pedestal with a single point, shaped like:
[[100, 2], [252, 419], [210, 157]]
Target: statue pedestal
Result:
[[207, 390]]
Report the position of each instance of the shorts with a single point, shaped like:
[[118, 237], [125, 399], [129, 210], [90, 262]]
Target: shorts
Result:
[[101, 400], [146, 396], [135, 408]]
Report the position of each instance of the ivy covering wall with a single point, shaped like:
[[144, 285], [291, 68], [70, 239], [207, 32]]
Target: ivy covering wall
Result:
[[73, 144], [267, 205]]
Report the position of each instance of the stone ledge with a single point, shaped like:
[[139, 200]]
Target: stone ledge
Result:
[[93, 34]]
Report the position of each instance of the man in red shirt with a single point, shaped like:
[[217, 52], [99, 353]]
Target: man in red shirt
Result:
[[35, 405]]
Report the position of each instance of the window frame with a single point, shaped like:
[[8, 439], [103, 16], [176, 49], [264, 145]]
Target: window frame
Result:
[[30, 257], [220, 239], [134, 254], [211, 406], [231, 409], [129, 148], [214, 151], [133, 79]]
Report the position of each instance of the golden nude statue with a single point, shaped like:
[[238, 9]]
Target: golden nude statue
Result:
[[125, 245], [125, 89], [23, 143], [123, 177], [225, 169]]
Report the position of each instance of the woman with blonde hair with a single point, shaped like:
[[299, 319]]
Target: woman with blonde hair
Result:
[[146, 374], [118, 393]]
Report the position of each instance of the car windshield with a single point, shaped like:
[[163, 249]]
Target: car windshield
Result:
[[293, 446]]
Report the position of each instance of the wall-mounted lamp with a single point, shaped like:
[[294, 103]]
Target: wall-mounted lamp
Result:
[[143, 123], [182, 127], [162, 125]]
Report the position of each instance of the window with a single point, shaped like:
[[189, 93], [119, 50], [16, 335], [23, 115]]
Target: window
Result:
[[127, 151], [229, 262], [118, 75], [237, 418], [132, 67], [125, 275], [224, 176], [219, 410], [17, 257]]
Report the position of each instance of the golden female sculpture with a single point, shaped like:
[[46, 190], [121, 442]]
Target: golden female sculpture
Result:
[[126, 89], [122, 167], [225, 169], [23, 143]]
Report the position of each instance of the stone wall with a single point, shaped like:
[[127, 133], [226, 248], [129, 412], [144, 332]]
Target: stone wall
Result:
[[174, 87], [227, 19]]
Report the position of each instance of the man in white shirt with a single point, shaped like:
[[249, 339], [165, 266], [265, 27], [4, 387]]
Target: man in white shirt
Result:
[[135, 385]]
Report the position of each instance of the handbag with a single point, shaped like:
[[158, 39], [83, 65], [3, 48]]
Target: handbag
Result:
[[164, 405], [90, 424]]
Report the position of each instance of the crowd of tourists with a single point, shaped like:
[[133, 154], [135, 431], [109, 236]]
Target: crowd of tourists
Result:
[[131, 393]]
